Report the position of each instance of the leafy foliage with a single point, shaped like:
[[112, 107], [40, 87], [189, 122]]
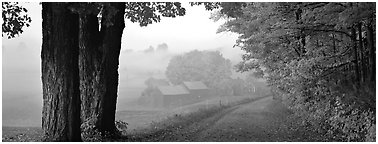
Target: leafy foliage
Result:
[[348, 122], [15, 18], [89, 132], [313, 54], [142, 12], [229, 9], [121, 126], [148, 12]]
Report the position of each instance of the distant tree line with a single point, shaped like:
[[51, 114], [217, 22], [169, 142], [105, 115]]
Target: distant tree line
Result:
[[209, 67]]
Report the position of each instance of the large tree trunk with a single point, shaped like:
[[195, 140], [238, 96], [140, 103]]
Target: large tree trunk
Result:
[[98, 62], [60, 73], [89, 64]]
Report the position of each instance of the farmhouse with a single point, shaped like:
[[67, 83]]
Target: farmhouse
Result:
[[148, 95], [171, 96], [160, 94], [197, 89]]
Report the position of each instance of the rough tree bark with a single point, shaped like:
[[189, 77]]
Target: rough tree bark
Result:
[[370, 39], [98, 64], [60, 73], [89, 59]]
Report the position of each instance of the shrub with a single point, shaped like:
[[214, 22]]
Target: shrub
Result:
[[350, 123], [370, 137], [89, 132], [338, 115], [121, 126]]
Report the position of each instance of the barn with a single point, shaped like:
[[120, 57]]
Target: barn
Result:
[[197, 89], [149, 94], [172, 96]]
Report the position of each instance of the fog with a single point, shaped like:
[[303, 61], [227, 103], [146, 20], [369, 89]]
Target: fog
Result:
[[139, 65], [145, 53]]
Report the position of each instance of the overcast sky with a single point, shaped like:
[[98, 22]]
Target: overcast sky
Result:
[[21, 61]]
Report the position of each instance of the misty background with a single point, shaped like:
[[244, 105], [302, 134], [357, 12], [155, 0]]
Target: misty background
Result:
[[145, 53]]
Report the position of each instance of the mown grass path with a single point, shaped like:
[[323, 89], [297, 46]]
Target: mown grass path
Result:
[[258, 121]]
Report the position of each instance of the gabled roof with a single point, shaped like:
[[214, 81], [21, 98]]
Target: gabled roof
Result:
[[173, 90], [195, 85]]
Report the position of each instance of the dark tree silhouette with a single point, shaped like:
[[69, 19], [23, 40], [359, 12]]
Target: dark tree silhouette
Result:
[[98, 62], [60, 73], [80, 60], [99, 56]]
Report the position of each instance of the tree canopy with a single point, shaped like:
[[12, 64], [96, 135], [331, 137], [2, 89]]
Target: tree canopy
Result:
[[207, 66], [143, 13], [15, 18], [316, 56]]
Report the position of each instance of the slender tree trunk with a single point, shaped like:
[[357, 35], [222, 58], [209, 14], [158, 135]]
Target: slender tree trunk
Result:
[[60, 75], [334, 44], [302, 37], [98, 62], [354, 45], [360, 47], [370, 39]]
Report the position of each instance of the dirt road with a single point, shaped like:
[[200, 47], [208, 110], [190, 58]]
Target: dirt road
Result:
[[258, 121]]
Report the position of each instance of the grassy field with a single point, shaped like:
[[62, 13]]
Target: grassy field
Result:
[[21, 134], [142, 117], [139, 118]]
